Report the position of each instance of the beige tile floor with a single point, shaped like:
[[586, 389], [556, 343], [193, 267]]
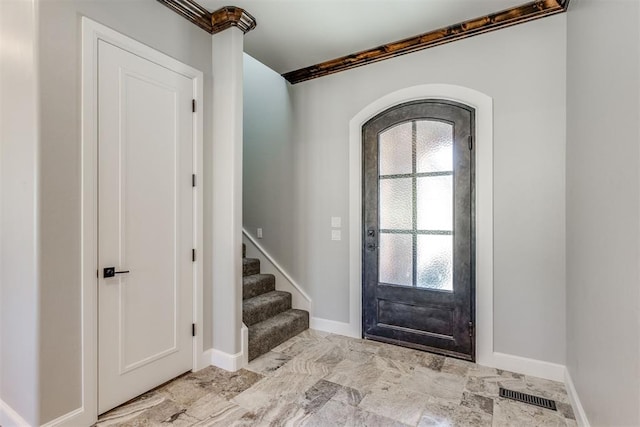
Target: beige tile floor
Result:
[[319, 379]]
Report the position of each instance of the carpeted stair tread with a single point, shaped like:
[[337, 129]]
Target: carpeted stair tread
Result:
[[250, 266], [262, 307], [257, 284], [274, 331]]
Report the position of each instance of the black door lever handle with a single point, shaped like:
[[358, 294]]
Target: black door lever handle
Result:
[[111, 272]]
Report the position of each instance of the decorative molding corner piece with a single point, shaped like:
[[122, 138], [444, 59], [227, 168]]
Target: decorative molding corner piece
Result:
[[221, 19], [232, 16], [495, 21], [191, 11]]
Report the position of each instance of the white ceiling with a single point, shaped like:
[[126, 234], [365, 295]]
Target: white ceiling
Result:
[[293, 34]]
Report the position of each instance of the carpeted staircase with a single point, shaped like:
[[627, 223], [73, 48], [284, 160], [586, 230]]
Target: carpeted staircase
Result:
[[267, 312]]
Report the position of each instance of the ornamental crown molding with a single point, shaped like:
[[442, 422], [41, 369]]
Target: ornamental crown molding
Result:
[[232, 16], [220, 20]]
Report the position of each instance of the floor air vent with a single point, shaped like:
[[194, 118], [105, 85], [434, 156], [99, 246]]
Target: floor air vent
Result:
[[528, 398]]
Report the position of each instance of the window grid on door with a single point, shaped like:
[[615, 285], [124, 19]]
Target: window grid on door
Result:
[[417, 175]]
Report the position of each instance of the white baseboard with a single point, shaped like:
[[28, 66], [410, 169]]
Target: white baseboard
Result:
[[226, 361], [10, 418], [71, 419], [230, 362], [526, 366], [578, 409], [334, 327]]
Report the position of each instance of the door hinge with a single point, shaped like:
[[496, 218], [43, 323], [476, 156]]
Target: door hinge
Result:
[[193, 255], [193, 329], [193, 105], [471, 329], [470, 141], [193, 180]]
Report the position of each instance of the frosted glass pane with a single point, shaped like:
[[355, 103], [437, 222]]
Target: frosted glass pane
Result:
[[396, 150], [435, 203], [434, 146], [396, 204], [396, 259], [435, 262]]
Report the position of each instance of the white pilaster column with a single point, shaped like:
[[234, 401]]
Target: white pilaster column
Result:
[[226, 164]]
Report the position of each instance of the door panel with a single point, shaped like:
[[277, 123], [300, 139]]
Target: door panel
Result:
[[418, 284], [145, 152]]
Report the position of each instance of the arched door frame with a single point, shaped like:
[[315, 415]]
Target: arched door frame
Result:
[[483, 105]]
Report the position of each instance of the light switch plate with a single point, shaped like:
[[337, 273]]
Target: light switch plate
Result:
[[259, 233], [336, 222], [336, 235]]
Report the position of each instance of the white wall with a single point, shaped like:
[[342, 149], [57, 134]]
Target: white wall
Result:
[[603, 208], [305, 180], [60, 155], [270, 168], [18, 210]]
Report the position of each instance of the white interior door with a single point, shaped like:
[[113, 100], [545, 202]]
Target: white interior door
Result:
[[145, 225]]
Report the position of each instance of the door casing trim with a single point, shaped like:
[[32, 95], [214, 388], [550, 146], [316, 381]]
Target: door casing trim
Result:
[[92, 32], [483, 105]]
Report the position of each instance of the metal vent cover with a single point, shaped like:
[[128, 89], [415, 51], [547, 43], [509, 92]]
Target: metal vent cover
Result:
[[528, 398]]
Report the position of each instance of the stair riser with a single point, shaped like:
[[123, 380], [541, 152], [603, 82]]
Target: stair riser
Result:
[[252, 314], [259, 345], [250, 267], [252, 287]]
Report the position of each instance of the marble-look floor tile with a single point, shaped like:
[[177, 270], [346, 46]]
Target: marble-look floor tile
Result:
[[395, 402], [361, 346], [480, 371], [414, 357], [467, 417], [319, 394], [226, 384], [268, 363], [358, 374], [348, 396], [180, 419], [510, 413], [392, 365], [335, 413], [566, 410], [477, 402], [425, 381], [167, 412], [437, 413], [318, 359], [320, 379], [301, 342], [546, 388], [214, 408], [277, 413], [459, 416], [184, 390], [282, 387], [131, 410], [456, 366], [486, 381]]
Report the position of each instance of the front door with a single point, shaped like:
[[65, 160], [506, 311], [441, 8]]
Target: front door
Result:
[[145, 225], [418, 262]]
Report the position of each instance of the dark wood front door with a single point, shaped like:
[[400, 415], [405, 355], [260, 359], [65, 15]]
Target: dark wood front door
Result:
[[418, 227]]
